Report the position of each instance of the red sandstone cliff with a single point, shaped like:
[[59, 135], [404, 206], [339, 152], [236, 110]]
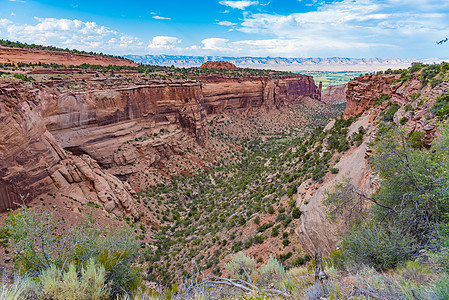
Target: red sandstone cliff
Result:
[[243, 94], [334, 94]]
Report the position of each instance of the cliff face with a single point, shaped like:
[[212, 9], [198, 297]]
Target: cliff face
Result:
[[334, 94], [97, 123], [33, 162], [106, 132], [363, 91], [243, 94]]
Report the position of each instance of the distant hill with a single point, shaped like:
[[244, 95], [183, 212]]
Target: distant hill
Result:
[[285, 64]]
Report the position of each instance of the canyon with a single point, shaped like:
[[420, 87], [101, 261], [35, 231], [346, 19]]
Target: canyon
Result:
[[85, 143]]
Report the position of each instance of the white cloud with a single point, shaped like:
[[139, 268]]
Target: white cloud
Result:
[[385, 25], [242, 4], [226, 23], [161, 18], [164, 42], [67, 33], [218, 44], [21, 1]]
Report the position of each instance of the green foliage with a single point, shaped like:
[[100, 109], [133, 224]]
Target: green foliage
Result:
[[241, 266], [264, 226], [441, 107], [23, 77], [89, 285], [38, 248], [296, 213], [403, 120], [271, 272], [389, 114], [413, 183], [381, 247], [441, 288], [334, 170], [416, 67], [21, 288], [381, 99], [416, 139], [429, 73]]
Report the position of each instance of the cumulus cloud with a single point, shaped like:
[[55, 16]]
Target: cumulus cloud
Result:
[[215, 44], [242, 4], [164, 42], [226, 23], [388, 25], [67, 33]]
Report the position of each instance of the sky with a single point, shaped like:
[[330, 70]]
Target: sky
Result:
[[284, 28]]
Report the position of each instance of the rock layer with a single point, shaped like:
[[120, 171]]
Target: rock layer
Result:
[[334, 94]]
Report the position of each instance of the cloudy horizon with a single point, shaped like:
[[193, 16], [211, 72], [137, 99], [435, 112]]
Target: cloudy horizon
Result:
[[289, 28]]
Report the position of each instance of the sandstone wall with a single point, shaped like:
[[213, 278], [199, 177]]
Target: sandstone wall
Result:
[[334, 94], [243, 94], [363, 91], [33, 163], [97, 123]]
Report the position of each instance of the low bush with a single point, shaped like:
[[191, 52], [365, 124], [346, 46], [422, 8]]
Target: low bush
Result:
[[241, 266], [271, 272], [39, 248], [377, 246]]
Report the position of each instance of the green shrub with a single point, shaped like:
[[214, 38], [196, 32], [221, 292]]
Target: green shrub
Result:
[[296, 213], [378, 246], [416, 67], [416, 139], [334, 170], [299, 261], [389, 114], [38, 248], [89, 285], [23, 77], [271, 272], [429, 73], [240, 266], [441, 288], [381, 99], [403, 120], [441, 106], [285, 242]]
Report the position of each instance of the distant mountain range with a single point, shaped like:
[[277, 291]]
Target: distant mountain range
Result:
[[285, 64]]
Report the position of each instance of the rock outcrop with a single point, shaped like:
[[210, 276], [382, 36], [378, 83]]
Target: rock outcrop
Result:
[[334, 94], [316, 230], [33, 162], [222, 65]]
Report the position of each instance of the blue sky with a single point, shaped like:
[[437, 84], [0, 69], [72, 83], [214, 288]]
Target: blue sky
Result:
[[287, 28]]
